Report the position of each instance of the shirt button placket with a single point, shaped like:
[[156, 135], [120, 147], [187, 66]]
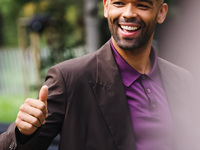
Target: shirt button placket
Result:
[[153, 104]]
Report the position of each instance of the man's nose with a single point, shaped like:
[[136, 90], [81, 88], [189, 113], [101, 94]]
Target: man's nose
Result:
[[130, 11]]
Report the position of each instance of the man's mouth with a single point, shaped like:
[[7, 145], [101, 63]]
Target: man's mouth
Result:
[[129, 28]]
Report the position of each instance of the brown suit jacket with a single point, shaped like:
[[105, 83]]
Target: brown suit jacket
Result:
[[88, 107]]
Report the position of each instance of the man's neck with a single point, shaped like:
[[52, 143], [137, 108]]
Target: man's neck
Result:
[[138, 59]]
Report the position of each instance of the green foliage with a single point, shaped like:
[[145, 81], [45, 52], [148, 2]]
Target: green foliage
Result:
[[67, 14], [9, 11], [61, 34], [63, 31], [9, 105]]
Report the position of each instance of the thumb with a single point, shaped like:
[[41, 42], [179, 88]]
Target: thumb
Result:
[[43, 93]]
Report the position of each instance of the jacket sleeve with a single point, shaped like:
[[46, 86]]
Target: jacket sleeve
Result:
[[8, 139], [56, 110]]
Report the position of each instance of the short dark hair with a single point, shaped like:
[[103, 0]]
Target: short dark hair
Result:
[[160, 1]]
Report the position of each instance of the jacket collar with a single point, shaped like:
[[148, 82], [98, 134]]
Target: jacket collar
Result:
[[110, 95], [130, 75]]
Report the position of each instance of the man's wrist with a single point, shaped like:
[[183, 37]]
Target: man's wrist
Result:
[[21, 138]]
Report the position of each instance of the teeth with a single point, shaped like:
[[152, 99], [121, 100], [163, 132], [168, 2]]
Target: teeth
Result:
[[129, 28]]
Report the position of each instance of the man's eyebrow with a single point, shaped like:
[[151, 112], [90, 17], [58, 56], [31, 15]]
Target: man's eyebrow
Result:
[[147, 1]]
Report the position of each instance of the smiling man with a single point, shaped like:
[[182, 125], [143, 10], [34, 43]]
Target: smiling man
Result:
[[121, 97], [132, 24]]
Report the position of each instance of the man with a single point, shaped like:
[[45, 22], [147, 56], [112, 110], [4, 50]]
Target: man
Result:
[[122, 97]]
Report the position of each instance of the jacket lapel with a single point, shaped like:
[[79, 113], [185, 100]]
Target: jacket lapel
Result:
[[178, 97], [176, 89], [110, 95]]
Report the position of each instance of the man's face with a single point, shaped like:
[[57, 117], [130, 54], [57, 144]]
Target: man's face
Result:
[[132, 22]]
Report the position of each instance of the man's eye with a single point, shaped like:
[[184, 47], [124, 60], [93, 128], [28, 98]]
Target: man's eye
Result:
[[141, 6], [118, 3]]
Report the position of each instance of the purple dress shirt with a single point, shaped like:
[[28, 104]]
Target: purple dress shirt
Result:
[[147, 100]]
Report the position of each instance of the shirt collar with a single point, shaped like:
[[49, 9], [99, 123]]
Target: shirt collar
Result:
[[130, 75]]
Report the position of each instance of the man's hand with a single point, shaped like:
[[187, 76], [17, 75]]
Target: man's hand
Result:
[[32, 113]]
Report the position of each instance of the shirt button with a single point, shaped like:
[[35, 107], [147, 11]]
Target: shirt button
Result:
[[148, 90]]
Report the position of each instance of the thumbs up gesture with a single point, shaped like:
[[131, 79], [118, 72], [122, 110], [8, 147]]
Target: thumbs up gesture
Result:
[[32, 113]]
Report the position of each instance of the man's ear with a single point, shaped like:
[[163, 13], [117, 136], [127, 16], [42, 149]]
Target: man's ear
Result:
[[162, 13], [105, 3]]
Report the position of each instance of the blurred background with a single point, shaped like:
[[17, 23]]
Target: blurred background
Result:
[[36, 34]]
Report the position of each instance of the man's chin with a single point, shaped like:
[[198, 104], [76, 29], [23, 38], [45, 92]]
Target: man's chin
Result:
[[130, 45], [128, 48]]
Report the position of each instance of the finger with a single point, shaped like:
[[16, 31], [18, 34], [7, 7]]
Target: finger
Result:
[[43, 97], [24, 127], [37, 104], [29, 119], [43, 93], [35, 112]]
